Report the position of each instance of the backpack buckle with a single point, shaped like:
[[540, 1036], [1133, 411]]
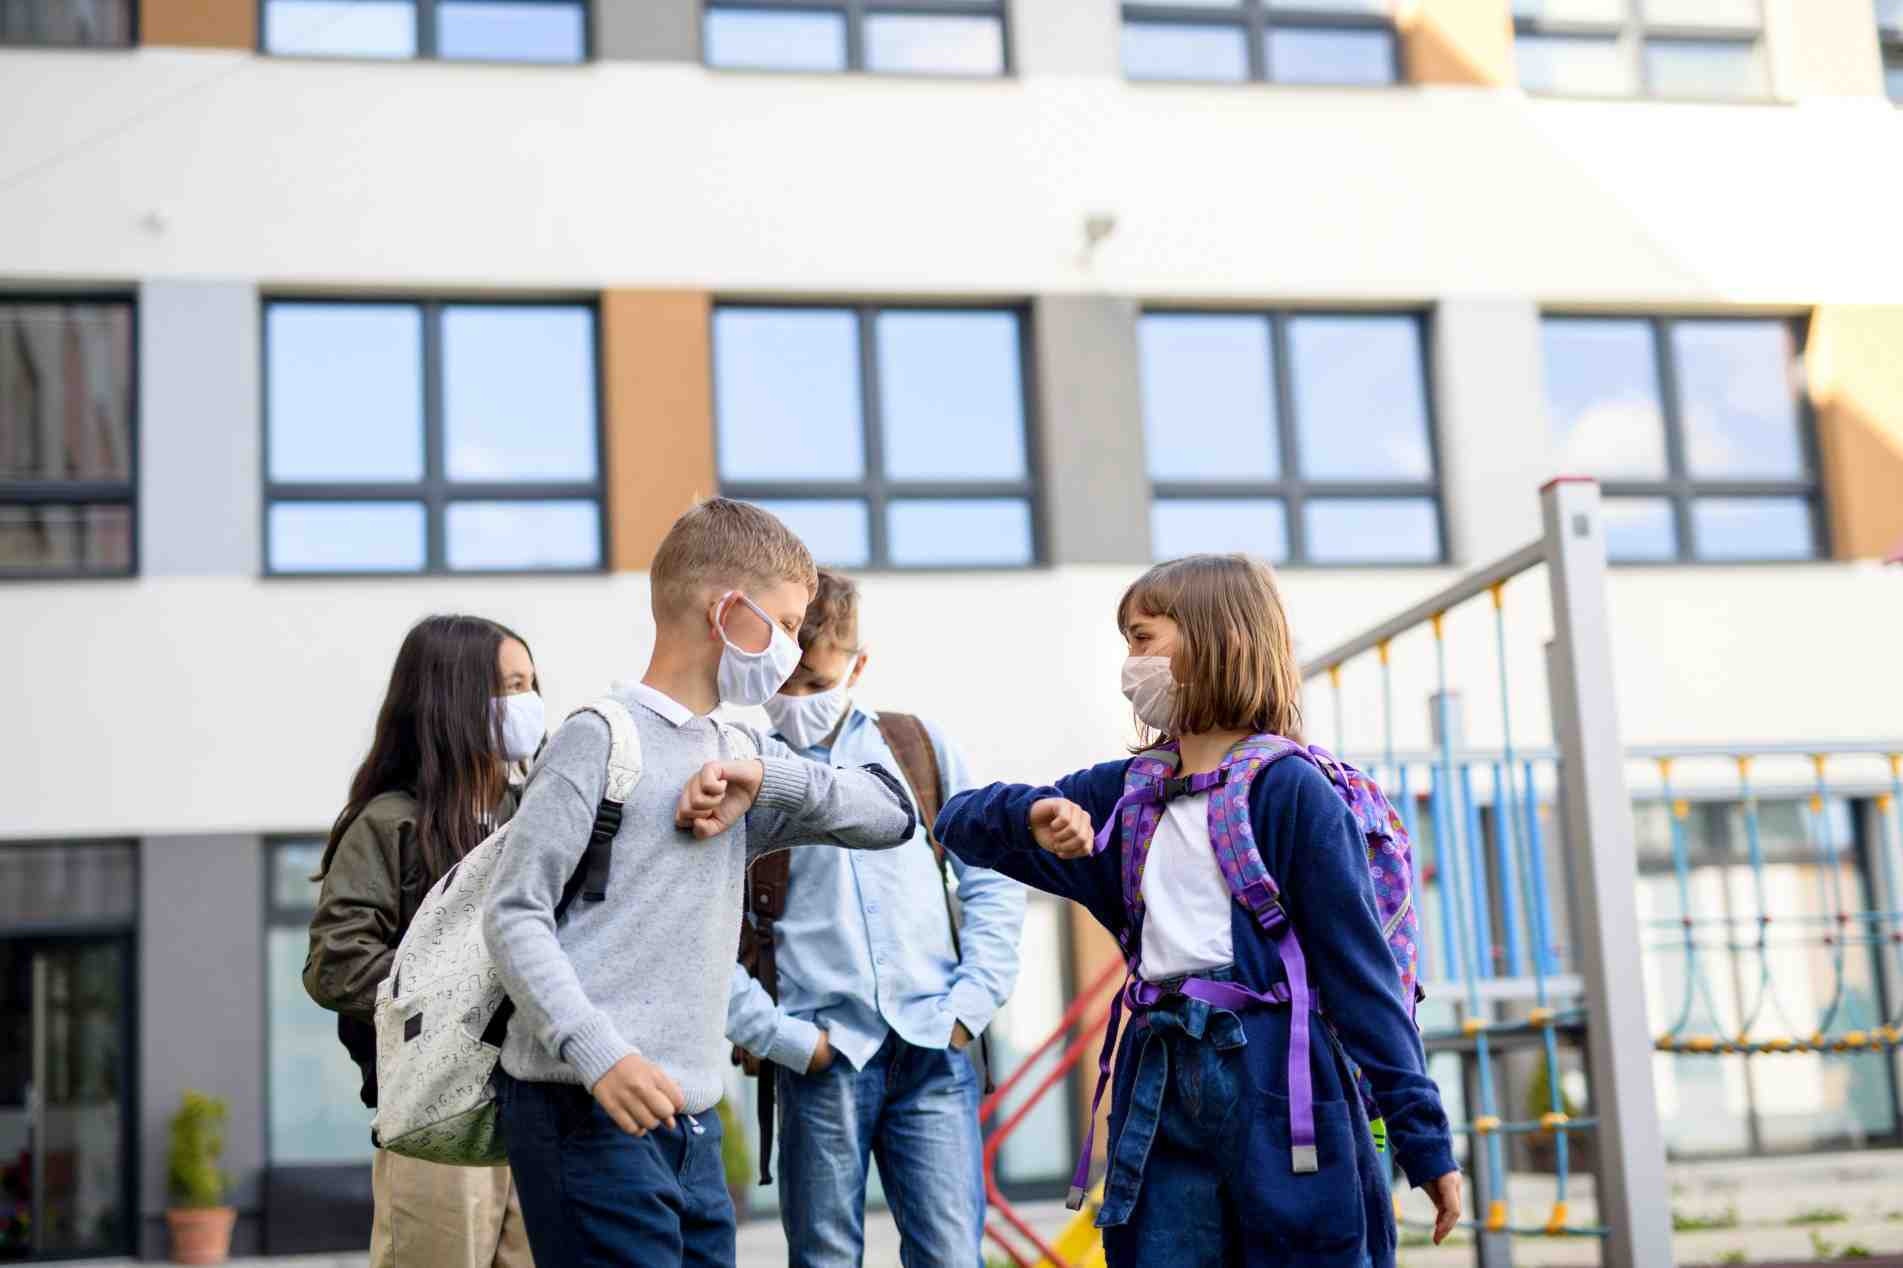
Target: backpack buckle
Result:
[[1175, 786]]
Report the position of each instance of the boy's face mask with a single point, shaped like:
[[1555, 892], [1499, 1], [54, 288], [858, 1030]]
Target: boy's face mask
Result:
[[1150, 686], [750, 679], [804, 721]]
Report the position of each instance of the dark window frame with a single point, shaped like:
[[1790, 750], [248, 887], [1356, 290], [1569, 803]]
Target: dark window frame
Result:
[[426, 40], [131, 41], [873, 488], [855, 13], [1290, 487], [1256, 21], [1678, 487], [436, 491], [86, 493], [1890, 49], [1633, 33]]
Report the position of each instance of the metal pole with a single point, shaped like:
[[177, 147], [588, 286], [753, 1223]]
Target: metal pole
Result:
[[1633, 1189]]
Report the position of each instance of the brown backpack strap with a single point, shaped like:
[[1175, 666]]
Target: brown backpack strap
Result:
[[911, 743], [767, 878]]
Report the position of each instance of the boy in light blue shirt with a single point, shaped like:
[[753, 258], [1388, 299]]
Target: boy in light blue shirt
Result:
[[880, 996]]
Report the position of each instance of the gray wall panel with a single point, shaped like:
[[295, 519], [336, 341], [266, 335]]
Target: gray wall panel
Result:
[[1066, 37], [647, 30], [1090, 426], [200, 438], [201, 1000]]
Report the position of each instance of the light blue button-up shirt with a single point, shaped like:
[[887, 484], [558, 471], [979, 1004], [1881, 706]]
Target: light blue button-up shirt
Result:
[[865, 946]]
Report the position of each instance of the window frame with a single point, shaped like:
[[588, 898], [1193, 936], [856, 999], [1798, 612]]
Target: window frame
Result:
[[1290, 487], [1678, 487], [426, 41], [132, 40], [874, 489], [86, 493], [1632, 33], [1256, 21], [436, 491], [1889, 51], [855, 13]]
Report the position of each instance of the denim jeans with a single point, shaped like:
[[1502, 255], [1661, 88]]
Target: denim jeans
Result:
[[913, 1109], [592, 1194], [1199, 1173]]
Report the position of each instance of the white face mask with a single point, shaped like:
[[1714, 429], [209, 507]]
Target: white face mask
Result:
[[523, 724], [804, 721], [1149, 685], [749, 678]]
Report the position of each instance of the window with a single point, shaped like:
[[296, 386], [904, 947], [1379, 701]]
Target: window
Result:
[[1298, 437], [69, 23], [1699, 49], [1695, 426], [1890, 31], [884, 437], [453, 30], [906, 37], [316, 1115], [1281, 41], [66, 438], [426, 437]]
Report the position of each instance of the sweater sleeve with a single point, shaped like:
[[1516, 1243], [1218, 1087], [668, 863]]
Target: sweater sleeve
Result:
[[991, 827], [356, 926], [1330, 900], [803, 802]]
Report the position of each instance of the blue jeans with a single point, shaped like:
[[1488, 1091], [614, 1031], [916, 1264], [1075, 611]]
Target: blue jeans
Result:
[[592, 1194], [1199, 1172], [916, 1111]]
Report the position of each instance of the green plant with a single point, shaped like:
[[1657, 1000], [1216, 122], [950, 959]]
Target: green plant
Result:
[[735, 1158], [1819, 1215], [1734, 1257], [1822, 1247], [198, 1139], [1855, 1250], [1682, 1223]]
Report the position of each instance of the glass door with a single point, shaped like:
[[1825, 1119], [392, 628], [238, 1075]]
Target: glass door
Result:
[[64, 1031]]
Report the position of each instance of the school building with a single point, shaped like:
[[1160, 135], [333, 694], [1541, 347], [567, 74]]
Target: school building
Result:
[[317, 316]]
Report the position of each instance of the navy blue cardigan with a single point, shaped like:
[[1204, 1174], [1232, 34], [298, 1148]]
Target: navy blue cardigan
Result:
[[1315, 852]]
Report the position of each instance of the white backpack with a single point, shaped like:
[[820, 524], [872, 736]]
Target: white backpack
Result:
[[442, 1013]]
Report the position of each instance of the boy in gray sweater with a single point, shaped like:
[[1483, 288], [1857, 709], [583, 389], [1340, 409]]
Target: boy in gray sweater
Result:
[[615, 1051]]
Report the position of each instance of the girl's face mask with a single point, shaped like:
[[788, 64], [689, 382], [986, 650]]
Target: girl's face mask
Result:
[[750, 679], [524, 723], [1150, 686]]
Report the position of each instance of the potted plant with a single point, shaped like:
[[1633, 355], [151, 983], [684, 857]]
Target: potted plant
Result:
[[735, 1158], [200, 1222]]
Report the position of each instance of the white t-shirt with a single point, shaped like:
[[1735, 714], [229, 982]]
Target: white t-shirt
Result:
[[1186, 901]]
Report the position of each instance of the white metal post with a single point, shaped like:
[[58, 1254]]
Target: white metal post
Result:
[[1633, 1194]]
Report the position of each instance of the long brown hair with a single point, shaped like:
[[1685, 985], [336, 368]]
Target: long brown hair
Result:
[[1235, 655], [438, 737]]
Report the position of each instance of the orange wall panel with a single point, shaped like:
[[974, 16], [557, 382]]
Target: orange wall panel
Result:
[[1457, 41], [199, 23], [657, 376], [1854, 364]]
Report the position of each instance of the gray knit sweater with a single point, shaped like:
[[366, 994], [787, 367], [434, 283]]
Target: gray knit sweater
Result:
[[648, 969]]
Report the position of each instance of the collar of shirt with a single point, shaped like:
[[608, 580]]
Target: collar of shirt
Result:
[[673, 711]]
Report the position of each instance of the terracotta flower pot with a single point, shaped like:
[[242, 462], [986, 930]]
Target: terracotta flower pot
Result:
[[201, 1235]]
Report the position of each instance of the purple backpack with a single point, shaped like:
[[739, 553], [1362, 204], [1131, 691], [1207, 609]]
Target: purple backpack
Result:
[[1149, 782]]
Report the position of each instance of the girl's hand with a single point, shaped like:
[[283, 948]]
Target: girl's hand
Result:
[[1446, 1195], [1062, 827], [718, 796]]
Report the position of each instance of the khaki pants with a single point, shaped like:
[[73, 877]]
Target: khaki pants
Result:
[[432, 1216]]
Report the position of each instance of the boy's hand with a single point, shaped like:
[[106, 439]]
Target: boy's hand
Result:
[[639, 1095], [718, 796], [1446, 1194], [822, 1056], [1062, 827]]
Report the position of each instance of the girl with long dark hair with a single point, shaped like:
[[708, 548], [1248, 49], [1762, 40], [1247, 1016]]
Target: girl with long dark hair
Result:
[[460, 718]]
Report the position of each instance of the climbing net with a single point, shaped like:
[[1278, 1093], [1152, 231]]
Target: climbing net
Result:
[[1766, 1021], [1483, 879]]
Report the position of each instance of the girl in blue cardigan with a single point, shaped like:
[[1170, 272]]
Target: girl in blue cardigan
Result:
[[1212, 1159]]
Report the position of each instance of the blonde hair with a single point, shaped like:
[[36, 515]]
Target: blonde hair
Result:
[[720, 545], [1235, 653]]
